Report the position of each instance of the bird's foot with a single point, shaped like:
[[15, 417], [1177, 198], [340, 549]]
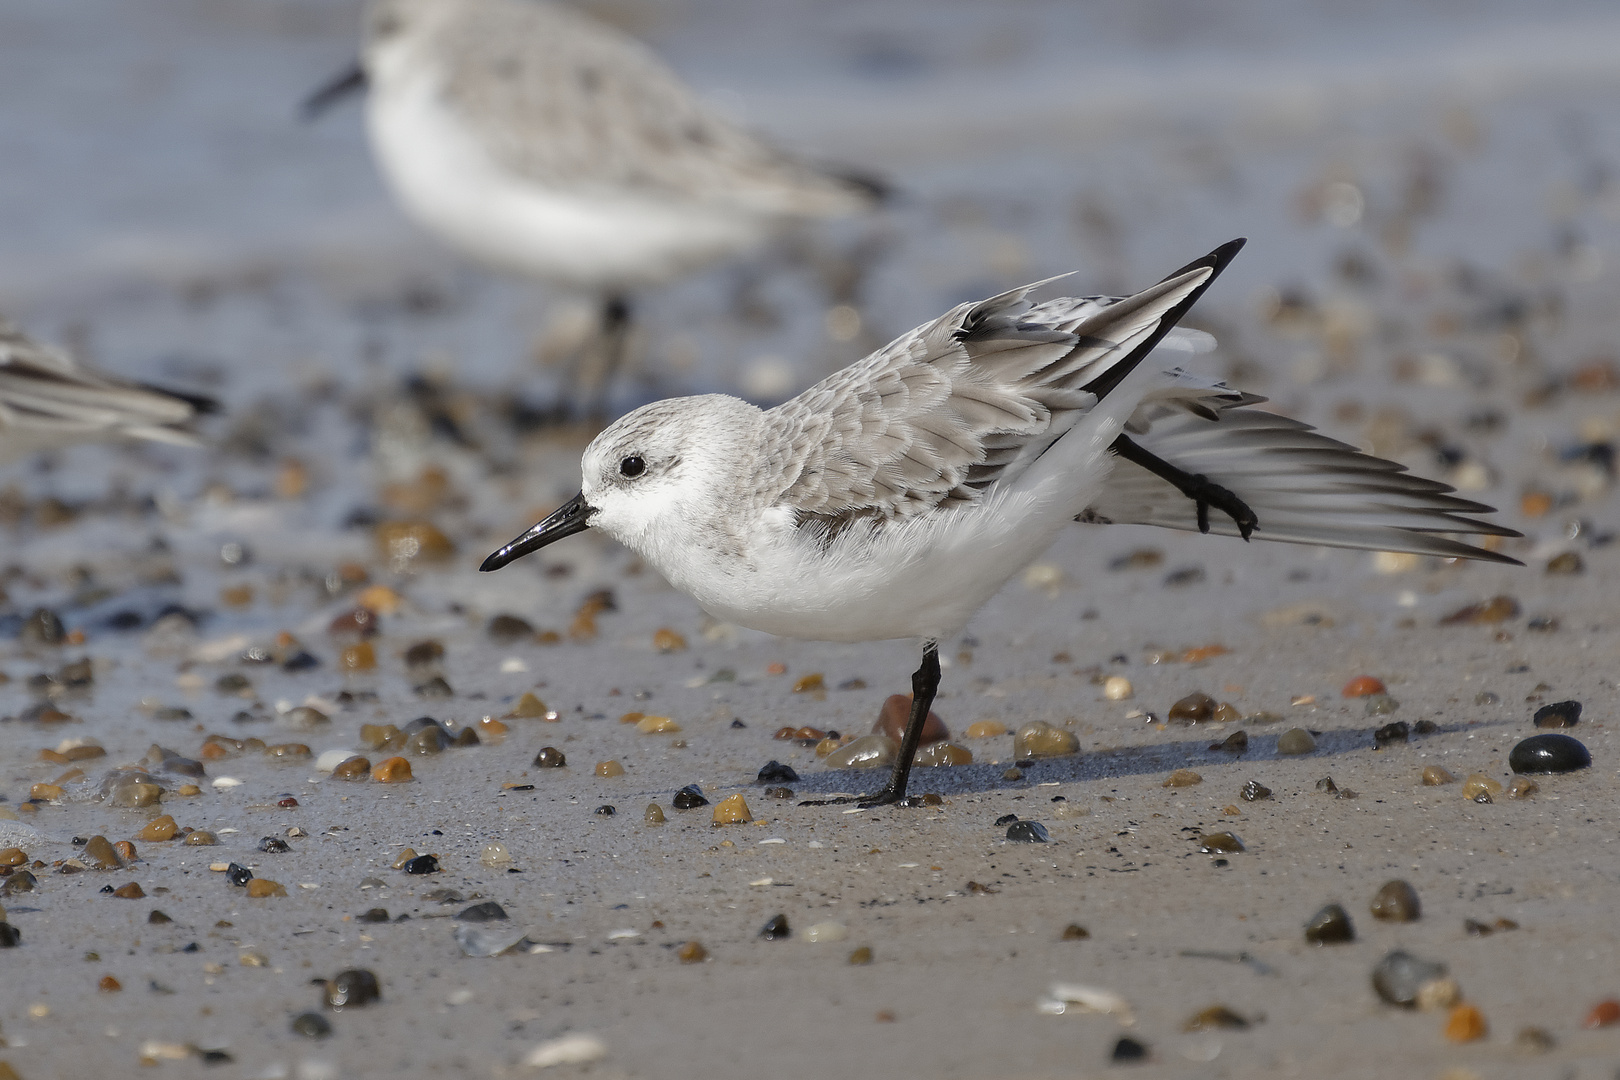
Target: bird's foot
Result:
[[1206, 494], [886, 797]]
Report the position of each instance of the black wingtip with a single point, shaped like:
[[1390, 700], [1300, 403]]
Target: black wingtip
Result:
[[1216, 261]]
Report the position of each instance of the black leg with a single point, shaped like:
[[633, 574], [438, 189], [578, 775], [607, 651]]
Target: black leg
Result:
[[590, 376], [924, 684], [1196, 487]]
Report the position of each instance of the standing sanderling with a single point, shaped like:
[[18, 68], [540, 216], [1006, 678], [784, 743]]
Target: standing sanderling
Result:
[[895, 497], [47, 402], [535, 139]]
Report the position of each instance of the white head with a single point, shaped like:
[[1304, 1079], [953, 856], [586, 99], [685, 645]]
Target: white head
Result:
[[659, 478]]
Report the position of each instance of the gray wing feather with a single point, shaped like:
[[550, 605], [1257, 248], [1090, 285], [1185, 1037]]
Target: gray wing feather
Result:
[[45, 398], [1304, 487], [945, 412]]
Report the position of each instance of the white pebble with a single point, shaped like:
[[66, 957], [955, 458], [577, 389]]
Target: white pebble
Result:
[[1117, 688], [331, 759], [826, 931], [566, 1050], [226, 782], [514, 665]]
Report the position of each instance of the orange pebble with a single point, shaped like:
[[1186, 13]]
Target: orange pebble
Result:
[[259, 888], [361, 657], [609, 768], [109, 985], [1465, 1024], [1363, 686], [1605, 1013], [1202, 653], [1535, 504], [809, 684], [126, 850], [666, 640], [354, 768], [394, 770], [777, 668], [896, 712], [158, 829]]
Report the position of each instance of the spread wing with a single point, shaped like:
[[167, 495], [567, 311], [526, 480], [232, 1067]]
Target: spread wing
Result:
[[1303, 487], [947, 411], [46, 399]]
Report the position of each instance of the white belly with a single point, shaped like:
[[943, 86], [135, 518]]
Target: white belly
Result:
[[448, 184]]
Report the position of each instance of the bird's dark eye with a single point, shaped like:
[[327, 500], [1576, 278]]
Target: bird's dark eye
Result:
[[632, 466]]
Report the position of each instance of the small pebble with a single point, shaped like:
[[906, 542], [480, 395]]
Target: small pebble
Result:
[[1363, 686], [422, 864], [259, 888], [528, 707], [1522, 787], [1549, 753], [1479, 784], [609, 769], [394, 770], [373, 915], [488, 911], [494, 854], [776, 929], [1560, 714], [774, 772], [311, 1025], [1435, 776], [653, 815], [1038, 739], [813, 683], [361, 656], [159, 829], [109, 985], [1215, 1018], [1295, 741], [825, 931], [1117, 688], [985, 729], [1128, 1051], [941, 754], [666, 640], [1027, 832], [200, 838], [1192, 709], [692, 952], [1465, 1024], [1496, 609], [404, 857], [505, 629], [895, 714], [550, 757], [274, 845], [657, 725], [10, 936], [1330, 926], [1182, 778], [1381, 705], [861, 956], [1392, 733], [1399, 976], [1396, 901], [352, 768], [1014, 773], [732, 810], [98, 850], [1605, 1013], [866, 752], [351, 989], [1254, 791], [1568, 562], [1535, 1040], [132, 891], [1221, 843], [689, 797], [1235, 743]]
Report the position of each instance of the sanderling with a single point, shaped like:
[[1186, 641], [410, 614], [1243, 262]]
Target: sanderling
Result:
[[895, 497], [47, 401], [535, 139]]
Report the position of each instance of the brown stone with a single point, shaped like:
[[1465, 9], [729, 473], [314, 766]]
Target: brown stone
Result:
[[158, 829], [132, 891], [99, 853], [361, 656], [354, 768], [259, 888], [394, 770], [896, 712]]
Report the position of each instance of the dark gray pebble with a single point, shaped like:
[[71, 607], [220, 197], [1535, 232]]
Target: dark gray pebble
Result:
[[606, 810], [488, 911], [774, 772], [1006, 819], [375, 914], [1254, 791], [237, 874], [351, 989], [1399, 976], [1127, 1051], [1396, 901], [10, 936], [1548, 754], [1390, 733], [274, 845], [1027, 832], [689, 797], [1559, 714], [422, 864], [776, 929], [1330, 926]]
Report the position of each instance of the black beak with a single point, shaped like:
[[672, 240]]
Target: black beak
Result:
[[571, 517], [351, 79]]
